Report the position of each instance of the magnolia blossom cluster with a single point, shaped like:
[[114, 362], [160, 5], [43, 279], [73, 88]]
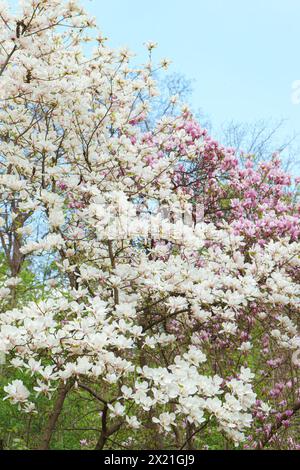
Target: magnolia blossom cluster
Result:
[[82, 348], [166, 325], [86, 338]]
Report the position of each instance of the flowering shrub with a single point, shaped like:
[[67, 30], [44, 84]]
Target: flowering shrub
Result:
[[162, 326]]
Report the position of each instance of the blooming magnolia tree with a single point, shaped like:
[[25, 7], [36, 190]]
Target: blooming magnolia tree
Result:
[[169, 305]]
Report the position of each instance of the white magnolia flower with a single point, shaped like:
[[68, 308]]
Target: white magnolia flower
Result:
[[133, 422], [165, 420], [245, 346], [16, 392], [117, 409]]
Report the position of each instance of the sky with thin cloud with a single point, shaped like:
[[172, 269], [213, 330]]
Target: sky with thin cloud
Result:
[[243, 55]]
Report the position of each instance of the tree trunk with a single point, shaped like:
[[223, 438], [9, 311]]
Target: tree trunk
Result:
[[54, 415]]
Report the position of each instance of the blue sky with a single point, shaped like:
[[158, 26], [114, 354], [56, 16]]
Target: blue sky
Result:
[[243, 55]]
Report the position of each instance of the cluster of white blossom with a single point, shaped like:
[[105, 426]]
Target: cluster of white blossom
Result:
[[88, 338], [142, 302]]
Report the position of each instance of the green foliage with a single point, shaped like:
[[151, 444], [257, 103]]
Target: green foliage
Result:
[[30, 288]]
